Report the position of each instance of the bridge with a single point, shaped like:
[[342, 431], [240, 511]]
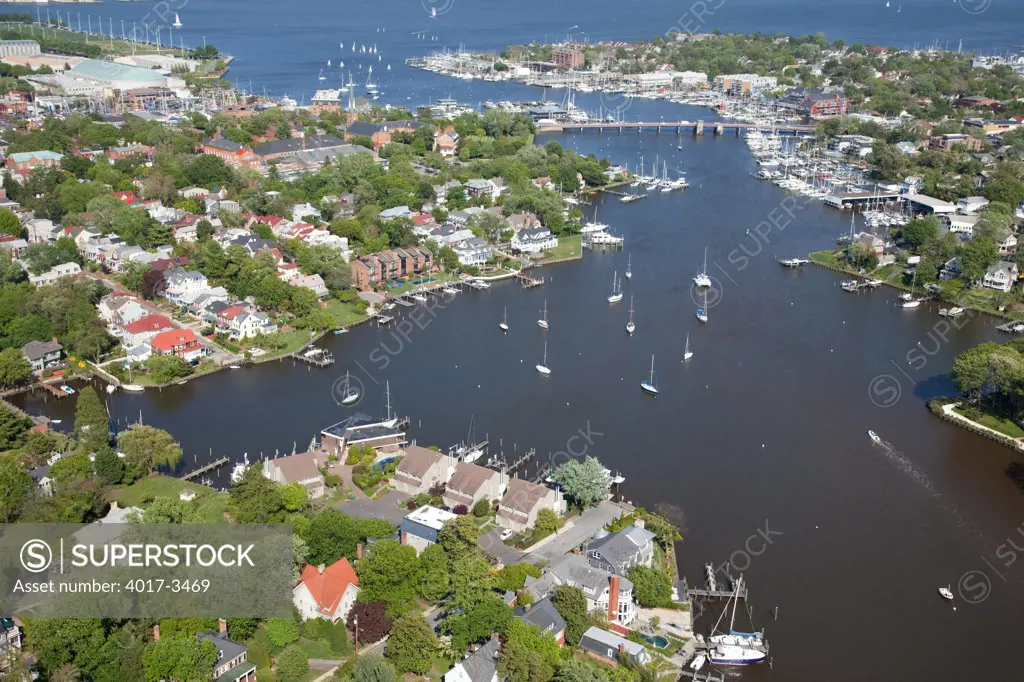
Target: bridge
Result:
[[676, 127]]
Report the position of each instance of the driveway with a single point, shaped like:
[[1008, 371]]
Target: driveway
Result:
[[384, 508], [576, 532]]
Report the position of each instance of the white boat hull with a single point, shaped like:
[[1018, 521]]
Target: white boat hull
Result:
[[503, 327], [630, 328], [615, 298], [911, 304], [702, 281], [133, 388], [543, 370], [543, 324], [649, 388], [350, 398], [687, 355]]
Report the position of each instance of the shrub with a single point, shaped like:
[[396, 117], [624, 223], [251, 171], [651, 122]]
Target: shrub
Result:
[[460, 509], [411, 504], [332, 481], [482, 508]]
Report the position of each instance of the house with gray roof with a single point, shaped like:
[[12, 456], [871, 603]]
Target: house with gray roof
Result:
[[232, 663], [479, 665], [471, 483], [605, 592], [523, 500], [42, 355], [420, 470], [545, 616], [619, 551], [610, 648]]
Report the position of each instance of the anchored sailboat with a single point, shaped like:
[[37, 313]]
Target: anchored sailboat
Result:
[[651, 385], [702, 279], [543, 321], [504, 322], [616, 289], [702, 313], [543, 366], [687, 353], [629, 269], [177, 22], [630, 327], [908, 299], [351, 396]]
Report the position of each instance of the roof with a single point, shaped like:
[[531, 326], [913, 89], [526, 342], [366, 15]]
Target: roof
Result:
[[363, 128], [469, 478], [168, 340], [431, 517], [623, 544], [544, 615], [228, 649], [327, 586], [930, 202], [148, 323], [226, 145], [481, 665], [417, 461], [109, 71], [599, 641], [300, 467], [575, 570], [296, 144], [37, 350], [523, 495], [20, 157]]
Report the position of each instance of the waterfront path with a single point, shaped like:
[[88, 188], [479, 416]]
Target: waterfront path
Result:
[[947, 410]]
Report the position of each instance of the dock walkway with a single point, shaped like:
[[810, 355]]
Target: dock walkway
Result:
[[216, 464]]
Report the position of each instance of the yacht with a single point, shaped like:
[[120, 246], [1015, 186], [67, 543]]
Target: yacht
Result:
[[874, 437], [543, 366], [651, 385], [616, 289], [702, 279], [177, 22], [702, 313], [543, 321], [133, 388], [793, 262], [727, 654]]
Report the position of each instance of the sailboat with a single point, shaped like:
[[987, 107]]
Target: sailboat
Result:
[[177, 22], [353, 46], [504, 322], [433, 13], [389, 67], [629, 269], [735, 648], [321, 77], [687, 353], [908, 300], [702, 313], [702, 279], [543, 366], [651, 385], [543, 321], [616, 289], [328, 63], [350, 396], [630, 327]]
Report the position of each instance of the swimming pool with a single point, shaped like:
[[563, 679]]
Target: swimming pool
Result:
[[424, 280], [657, 641]]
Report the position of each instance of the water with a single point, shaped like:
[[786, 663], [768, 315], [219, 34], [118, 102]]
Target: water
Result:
[[761, 434]]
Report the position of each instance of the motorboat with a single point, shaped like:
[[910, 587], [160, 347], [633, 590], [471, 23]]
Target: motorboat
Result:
[[849, 285], [913, 303], [67, 389], [793, 262], [111, 388], [629, 268], [726, 654], [698, 662], [419, 297], [946, 593]]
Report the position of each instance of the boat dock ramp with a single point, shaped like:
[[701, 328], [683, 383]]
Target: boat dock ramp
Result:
[[318, 357], [195, 473], [529, 282], [384, 319]]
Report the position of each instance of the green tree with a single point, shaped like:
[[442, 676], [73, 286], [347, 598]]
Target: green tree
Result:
[[518, 663], [976, 256], [58, 641], [14, 369], [651, 587], [472, 581], [391, 573], [281, 631], [295, 497], [146, 448], [70, 470], [179, 657], [108, 466], [91, 420], [459, 537], [374, 668], [512, 577], [436, 581], [577, 671], [476, 623], [170, 510], [12, 429], [412, 644], [921, 230], [584, 483], [257, 499], [548, 521], [164, 369], [9, 223], [571, 605], [482, 508], [292, 663], [533, 639], [15, 487]]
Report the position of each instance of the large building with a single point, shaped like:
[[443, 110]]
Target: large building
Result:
[[814, 102], [567, 57], [122, 76], [743, 84], [26, 48]]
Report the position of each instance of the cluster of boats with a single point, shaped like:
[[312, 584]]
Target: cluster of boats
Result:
[[654, 181], [812, 175]]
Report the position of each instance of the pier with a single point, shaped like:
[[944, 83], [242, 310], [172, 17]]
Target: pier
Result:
[[54, 390], [404, 302], [384, 319], [1011, 327], [675, 127], [318, 357], [529, 282], [718, 594], [216, 464], [698, 676]]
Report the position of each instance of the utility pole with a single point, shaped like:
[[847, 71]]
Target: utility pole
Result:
[[356, 623]]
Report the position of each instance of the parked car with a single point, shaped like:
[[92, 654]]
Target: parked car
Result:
[[506, 534]]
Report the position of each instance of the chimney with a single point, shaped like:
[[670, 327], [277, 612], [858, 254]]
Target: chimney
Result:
[[639, 523], [156, 632], [222, 626], [526, 608], [622, 650], [613, 598], [359, 550], [321, 568], [494, 636], [113, 506]]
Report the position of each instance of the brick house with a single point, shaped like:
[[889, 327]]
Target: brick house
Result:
[[230, 152], [380, 133], [26, 161], [567, 57]]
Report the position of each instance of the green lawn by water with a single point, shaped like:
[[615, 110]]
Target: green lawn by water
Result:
[[568, 247], [996, 423], [211, 503]]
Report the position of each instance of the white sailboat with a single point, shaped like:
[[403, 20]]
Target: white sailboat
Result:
[[321, 77], [328, 63], [630, 327], [177, 22], [350, 396], [910, 301], [702, 279], [504, 321], [651, 385], [616, 289], [543, 366], [687, 353], [543, 321], [702, 313], [629, 269]]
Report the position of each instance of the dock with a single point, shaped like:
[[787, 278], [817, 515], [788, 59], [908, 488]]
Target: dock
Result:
[[717, 594], [54, 390], [529, 282], [699, 676], [205, 468], [318, 357], [675, 127], [384, 319], [404, 302], [1011, 327]]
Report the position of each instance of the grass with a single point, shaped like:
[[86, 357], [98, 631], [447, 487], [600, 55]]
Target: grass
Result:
[[210, 503], [318, 649], [294, 340], [440, 665], [144, 379], [827, 258], [995, 422], [343, 313], [115, 47], [407, 286], [568, 246]]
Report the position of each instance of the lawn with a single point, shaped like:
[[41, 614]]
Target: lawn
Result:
[[409, 286], [996, 423], [211, 504], [826, 258], [204, 367], [294, 340], [344, 313], [318, 649], [568, 247]]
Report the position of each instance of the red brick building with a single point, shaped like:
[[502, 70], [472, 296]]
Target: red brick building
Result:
[[567, 57], [232, 153]]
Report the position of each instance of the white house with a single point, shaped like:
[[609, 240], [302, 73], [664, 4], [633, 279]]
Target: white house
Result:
[[300, 211], [963, 224], [247, 325], [179, 282], [55, 273], [326, 592], [534, 240], [314, 282], [472, 251], [479, 665], [1000, 276], [606, 592]]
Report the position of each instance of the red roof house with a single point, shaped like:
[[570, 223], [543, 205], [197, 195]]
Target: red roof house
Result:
[[181, 342], [326, 592]]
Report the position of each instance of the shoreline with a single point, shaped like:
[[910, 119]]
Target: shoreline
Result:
[[943, 409]]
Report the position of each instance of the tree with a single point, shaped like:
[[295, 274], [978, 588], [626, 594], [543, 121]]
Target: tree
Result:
[[164, 369], [303, 301], [577, 671], [91, 420], [146, 448], [436, 580], [281, 631], [651, 587], [71, 469], [976, 256], [12, 429], [455, 198], [179, 657], [15, 487], [257, 499], [170, 510], [204, 229], [133, 276], [373, 620], [14, 369], [459, 537], [206, 171], [332, 535], [295, 497], [292, 663], [472, 581], [9, 223], [482, 508], [921, 230], [513, 576], [548, 521], [374, 668], [571, 605], [476, 623], [412, 644], [520, 633], [584, 483], [108, 466], [58, 641], [518, 663], [490, 226], [390, 573]]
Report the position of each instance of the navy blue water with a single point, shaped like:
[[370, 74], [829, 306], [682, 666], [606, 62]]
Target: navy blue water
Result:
[[765, 425]]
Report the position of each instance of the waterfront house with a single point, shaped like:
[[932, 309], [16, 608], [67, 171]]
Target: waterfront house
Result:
[[619, 551], [534, 240], [143, 329], [471, 483], [42, 355], [950, 270], [479, 665], [248, 324], [232, 664], [313, 282], [1000, 276], [55, 273], [606, 592], [963, 225], [419, 528], [472, 251], [518, 508], [178, 282], [180, 342], [545, 617], [303, 468], [420, 470], [522, 220], [326, 592], [610, 648], [384, 436]]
